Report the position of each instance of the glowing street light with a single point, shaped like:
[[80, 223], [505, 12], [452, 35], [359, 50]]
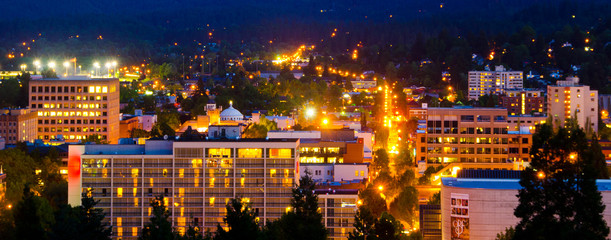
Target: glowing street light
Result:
[[310, 112], [108, 65], [96, 65], [23, 67], [66, 66], [37, 64], [52, 65], [541, 175]]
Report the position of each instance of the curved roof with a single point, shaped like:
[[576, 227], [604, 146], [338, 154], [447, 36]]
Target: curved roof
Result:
[[231, 113]]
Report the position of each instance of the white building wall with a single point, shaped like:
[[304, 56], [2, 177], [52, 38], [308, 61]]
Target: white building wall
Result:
[[491, 210], [320, 172], [349, 172], [293, 134]]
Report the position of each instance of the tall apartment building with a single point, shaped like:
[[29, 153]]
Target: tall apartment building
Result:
[[18, 125], [493, 82], [76, 107], [568, 99], [470, 135], [197, 179], [523, 101]]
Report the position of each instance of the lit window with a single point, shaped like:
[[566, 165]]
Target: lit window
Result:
[[119, 194]]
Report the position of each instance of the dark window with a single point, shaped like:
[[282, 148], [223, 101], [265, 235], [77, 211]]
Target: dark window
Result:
[[33, 89], [525, 140], [466, 118], [524, 150]]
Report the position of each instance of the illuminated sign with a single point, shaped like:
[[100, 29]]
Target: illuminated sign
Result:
[[459, 216]]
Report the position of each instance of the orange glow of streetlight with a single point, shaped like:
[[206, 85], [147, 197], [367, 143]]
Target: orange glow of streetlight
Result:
[[541, 175], [380, 188]]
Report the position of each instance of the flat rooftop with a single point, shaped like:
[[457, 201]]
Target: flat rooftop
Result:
[[503, 184]]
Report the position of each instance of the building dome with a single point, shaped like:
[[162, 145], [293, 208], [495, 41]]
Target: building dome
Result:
[[231, 114]]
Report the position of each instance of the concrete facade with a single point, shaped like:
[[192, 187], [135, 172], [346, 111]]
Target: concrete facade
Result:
[[493, 82], [76, 107], [491, 203], [18, 125], [568, 98]]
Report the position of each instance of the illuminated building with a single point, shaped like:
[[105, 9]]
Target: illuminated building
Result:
[[363, 84], [523, 101], [480, 208], [568, 99], [76, 107], [493, 82], [338, 207], [18, 125], [196, 178], [471, 136]]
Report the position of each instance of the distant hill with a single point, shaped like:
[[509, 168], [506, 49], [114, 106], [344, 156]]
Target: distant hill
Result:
[[164, 22]]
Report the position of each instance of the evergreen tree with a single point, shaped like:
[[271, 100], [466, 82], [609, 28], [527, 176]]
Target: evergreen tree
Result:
[[160, 228], [92, 225], [33, 217], [363, 225], [241, 221], [303, 220], [559, 198], [348, 86]]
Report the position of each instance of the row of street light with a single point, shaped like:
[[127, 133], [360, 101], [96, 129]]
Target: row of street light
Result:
[[52, 65]]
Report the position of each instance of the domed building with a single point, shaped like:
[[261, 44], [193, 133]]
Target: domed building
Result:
[[231, 114]]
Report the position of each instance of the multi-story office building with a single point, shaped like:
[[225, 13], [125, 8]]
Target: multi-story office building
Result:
[[493, 82], [76, 107], [430, 221], [197, 179], [523, 101], [568, 99], [338, 207], [18, 125], [471, 135]]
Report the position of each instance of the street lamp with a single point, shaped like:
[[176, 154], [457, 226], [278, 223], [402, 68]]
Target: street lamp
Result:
[[37, 64], [23, 67], [52, 66], [114, 68], [107, 65], [310, 112], [97, 68], [66, 66]]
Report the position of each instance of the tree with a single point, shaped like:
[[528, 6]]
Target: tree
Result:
[[435, 199], [95, 138], [21, 168], [92, 225], [363, 225], [33, 217], [559, 198], [241, 221], [159, 228], [348, 86], [259, 130], [139, 133], [372, 200], [388, 228], [508, 234], [380, 161], [404, 205], [303, 221]]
